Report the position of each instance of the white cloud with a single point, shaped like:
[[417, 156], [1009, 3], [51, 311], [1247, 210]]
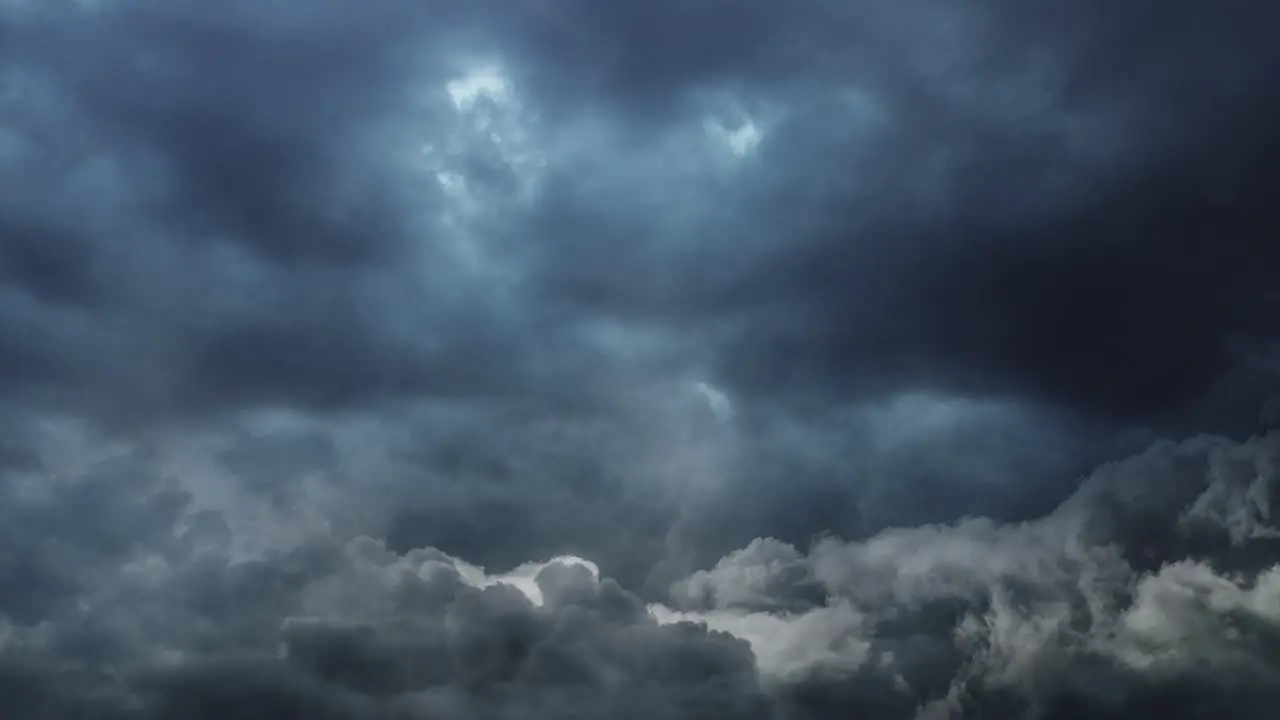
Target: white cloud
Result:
[[788, 644], [717, 400], [741, 139], [486, 82]]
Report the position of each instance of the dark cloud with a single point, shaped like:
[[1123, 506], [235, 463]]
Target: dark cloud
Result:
[[1041, 204], [1066, 613], [637, 359], [1129, 305], [208, 186], [976, 200]]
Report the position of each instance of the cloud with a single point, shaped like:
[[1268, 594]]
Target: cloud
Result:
[[654, 359], [953, 618], [344, 207], [152, 608]]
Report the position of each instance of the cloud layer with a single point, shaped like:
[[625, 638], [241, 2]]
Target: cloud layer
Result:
[[1152, 589], [660, 359]]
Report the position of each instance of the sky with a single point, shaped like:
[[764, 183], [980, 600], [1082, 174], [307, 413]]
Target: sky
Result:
[[532, 359]]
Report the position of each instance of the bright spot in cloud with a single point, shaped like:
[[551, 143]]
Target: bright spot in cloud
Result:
[[486, 82], [741, 140], [491, 120], [454, 184], [716, 399], [525, 577], [918, 416], [486, 158], [787, 644]]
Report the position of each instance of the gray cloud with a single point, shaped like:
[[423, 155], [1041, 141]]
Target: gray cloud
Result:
[[1072, 612], [966, 200], [800, 322], [1079, 611]]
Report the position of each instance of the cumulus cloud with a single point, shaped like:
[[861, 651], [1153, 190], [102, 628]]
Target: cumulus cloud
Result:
[[956, 617], [535, 359], [148, 610]]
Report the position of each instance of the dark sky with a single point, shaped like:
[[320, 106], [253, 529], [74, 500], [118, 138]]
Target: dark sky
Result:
[[532, 359]]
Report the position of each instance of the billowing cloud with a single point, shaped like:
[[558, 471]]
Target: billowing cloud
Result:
[[545, 358], [951, 618], [1126, 598], [346, 204]]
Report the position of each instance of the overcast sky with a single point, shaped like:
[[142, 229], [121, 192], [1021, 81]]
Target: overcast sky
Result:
[[533, 359]]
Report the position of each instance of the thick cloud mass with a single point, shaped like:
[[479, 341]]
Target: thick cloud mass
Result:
[[1152, 589], [539, 359]]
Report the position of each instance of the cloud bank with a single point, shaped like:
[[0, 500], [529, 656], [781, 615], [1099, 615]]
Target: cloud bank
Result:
[[546, 358], [1154, 588]]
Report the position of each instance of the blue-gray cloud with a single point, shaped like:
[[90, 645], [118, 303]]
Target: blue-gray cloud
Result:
[[307, 311]]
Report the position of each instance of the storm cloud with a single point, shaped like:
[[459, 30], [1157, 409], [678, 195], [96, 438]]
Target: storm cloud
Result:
[[540, 358]]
